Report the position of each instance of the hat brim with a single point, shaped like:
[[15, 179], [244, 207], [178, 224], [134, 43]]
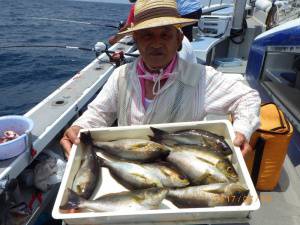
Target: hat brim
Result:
[[159, 22]]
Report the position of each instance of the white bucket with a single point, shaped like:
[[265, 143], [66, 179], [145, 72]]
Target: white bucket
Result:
[[22, 126]]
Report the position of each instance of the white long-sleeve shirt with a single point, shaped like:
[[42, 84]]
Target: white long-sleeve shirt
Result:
[[204, 90]]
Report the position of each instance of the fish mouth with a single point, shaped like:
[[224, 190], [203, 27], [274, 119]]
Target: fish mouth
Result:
[[233, 178]]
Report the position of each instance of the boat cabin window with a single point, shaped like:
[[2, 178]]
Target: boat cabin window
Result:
[[280, 77]]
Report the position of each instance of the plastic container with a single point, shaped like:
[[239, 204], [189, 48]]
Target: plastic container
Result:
[[22, 126], [167, 213]]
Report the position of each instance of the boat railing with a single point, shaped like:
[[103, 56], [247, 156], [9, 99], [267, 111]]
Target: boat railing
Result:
[[210, 3], [220, 3]]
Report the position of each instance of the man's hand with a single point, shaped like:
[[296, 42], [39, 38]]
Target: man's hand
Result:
[[69, 138], [241, 141]]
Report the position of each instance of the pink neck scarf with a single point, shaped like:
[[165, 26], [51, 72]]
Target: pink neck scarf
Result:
[[144, 74]]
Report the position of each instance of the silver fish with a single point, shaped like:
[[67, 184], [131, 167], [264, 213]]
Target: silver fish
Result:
[[214, 158], [195, 137], [134, 149], [197, 170], [208, 195], [138, 176], [128, 200], [88, 174]]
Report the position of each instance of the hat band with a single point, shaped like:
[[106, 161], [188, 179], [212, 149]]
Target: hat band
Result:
[[155, 13]]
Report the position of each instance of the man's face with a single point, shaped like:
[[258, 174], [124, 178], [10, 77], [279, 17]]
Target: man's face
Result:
[[158, 46]]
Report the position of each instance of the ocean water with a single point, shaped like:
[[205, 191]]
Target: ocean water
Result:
[[28, 75]]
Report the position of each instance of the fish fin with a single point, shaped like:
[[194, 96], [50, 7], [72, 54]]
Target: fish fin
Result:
[[158, 132], [73, 201], [86, 138], [139, 145], [155, 139], [204, 160], [167, 143], [154, 183], [143, 178]]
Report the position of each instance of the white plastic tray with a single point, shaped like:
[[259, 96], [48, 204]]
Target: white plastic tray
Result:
[[168, 213]]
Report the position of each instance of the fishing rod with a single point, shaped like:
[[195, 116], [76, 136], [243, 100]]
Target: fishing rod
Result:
[[117, 57], [79, 22], [99, 48], [47, 46]]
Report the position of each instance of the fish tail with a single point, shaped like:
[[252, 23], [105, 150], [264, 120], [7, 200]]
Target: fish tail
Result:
[[158, 132], [86, 138], [101, 161], [73, 201], [166, 153], [155, 139]]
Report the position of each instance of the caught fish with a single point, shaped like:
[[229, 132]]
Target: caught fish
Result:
[[134, 149], [138, 176], [197, 170], [211, 157], [196, 137], [208, 195], [128, 200], [88, 174]]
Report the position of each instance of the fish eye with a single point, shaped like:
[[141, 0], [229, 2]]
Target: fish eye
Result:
[[182, 177], [229, 169]]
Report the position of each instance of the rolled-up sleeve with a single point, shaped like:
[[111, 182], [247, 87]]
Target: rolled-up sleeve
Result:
[[225, 94], [102, 111]]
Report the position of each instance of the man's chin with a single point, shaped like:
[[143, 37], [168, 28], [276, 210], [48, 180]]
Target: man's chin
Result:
[[157, 64], [156, 67]]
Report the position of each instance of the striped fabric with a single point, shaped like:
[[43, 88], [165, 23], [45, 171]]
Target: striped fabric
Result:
[[186, 96]]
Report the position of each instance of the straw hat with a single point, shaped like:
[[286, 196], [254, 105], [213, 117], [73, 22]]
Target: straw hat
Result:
[[156, 13]]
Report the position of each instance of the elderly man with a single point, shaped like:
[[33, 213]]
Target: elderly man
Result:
[[159, 87]]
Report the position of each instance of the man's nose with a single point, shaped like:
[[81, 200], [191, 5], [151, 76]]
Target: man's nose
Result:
[[156, 41]]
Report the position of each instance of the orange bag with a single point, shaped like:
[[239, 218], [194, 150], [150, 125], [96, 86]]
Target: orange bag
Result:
[[270, 143]]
